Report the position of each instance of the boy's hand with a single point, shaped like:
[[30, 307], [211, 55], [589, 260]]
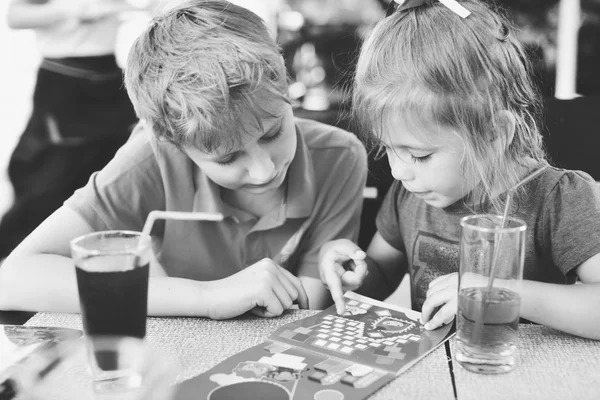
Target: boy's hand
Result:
[[342, 267], [442, 295], [264, 288]]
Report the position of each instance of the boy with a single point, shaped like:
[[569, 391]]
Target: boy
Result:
[[217, 134]]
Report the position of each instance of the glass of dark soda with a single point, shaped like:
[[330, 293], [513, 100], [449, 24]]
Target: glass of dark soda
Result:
[[112, 269]]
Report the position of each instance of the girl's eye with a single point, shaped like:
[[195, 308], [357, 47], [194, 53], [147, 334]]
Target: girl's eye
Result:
[[420, 159], [272, 138]]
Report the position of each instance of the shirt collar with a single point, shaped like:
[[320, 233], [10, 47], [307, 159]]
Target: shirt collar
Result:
[[300, 195]]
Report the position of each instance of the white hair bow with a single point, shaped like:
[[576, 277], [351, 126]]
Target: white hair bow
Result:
[[451, 4]]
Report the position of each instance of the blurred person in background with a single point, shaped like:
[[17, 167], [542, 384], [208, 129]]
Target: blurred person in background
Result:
[[81, 112]]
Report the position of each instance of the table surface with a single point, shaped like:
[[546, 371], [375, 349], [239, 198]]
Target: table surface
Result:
[[552, 364]]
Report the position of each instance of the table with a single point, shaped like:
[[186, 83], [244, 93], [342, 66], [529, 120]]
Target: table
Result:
[[197, 344], [552, 364]]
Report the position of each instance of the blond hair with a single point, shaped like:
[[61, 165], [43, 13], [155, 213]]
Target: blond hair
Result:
[[196, 69], [428, 64]]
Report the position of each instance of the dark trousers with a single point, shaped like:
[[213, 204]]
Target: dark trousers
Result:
[[81, 116]]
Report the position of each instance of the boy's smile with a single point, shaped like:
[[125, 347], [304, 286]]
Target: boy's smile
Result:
[[261, 164]]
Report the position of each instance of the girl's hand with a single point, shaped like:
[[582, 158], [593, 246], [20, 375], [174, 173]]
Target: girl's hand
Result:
[[264, 288], [442, 295], [342, 267]]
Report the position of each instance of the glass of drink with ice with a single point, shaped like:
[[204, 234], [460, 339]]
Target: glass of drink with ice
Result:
[[492, 255]]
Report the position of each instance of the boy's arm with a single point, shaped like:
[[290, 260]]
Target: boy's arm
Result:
[[40, 276], [570, 308]]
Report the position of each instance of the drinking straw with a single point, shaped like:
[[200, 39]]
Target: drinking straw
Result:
[[498, 235], [177, 215]]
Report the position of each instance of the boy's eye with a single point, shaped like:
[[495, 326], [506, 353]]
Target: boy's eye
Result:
[[228, 160], [271, 138]]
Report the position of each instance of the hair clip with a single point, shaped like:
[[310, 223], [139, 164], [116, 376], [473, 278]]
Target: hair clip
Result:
[[403, 5], [505, 33]]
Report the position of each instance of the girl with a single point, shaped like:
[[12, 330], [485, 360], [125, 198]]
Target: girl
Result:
[[450, 99]]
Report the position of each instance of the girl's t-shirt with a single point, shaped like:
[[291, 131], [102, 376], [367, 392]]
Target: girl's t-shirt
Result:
[[561, 209]]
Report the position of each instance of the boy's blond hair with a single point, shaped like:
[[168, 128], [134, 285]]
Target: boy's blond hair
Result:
[[198, 68]]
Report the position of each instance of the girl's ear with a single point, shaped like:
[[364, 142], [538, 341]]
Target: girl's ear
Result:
[[505, 126]]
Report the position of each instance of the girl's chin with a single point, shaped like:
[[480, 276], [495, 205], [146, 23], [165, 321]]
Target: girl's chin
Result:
[[438, 201]]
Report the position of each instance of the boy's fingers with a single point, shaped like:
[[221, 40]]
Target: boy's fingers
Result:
[[271, 305], [283, 294], [289, 279], [302, 299]]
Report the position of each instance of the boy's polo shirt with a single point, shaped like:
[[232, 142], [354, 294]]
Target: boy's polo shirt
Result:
[[323, 202]]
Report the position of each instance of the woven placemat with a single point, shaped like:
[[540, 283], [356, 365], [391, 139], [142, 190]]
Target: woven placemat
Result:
[[551, 365], [198, 344]]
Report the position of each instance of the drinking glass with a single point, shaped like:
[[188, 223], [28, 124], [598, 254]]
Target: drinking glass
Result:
[[112, 269], [492, 254], [147, 373]]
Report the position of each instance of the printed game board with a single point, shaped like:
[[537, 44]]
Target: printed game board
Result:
[[323, 357]]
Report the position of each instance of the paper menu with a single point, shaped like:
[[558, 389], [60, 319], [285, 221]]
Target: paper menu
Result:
[[370, 332], [325, 356]]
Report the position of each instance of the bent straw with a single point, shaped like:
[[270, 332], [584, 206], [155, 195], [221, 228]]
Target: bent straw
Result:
[[177, 215], [476, 337]]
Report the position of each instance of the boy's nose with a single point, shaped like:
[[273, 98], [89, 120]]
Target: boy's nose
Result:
[[262, 168]]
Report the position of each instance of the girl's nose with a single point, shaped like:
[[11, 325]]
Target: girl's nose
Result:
[[401, 170]]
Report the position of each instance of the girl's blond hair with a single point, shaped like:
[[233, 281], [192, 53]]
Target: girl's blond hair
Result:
[[429, 65]]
